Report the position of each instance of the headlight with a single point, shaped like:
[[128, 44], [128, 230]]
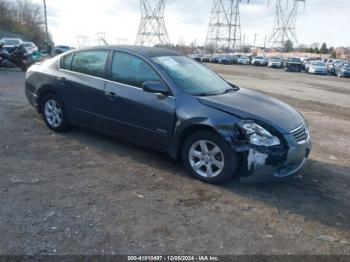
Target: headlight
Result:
[[258, 135]]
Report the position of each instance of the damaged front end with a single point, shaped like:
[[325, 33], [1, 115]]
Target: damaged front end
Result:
[[268, 155]]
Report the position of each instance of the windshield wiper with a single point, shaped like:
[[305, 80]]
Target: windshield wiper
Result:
[[229, 90], [206, 94]]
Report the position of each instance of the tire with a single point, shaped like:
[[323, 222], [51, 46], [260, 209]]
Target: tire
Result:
[[220, 173], [54, 113]]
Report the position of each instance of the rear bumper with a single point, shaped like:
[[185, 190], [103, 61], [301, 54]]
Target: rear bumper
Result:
[[261, 169]]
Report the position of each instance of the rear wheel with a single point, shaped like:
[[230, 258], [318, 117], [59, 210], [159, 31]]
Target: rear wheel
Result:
[[207, 157], [54, 113]]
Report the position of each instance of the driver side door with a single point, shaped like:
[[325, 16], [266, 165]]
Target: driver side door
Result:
[[133, 112]]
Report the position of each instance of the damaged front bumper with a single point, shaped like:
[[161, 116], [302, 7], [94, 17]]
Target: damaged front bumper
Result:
[[265, 164]]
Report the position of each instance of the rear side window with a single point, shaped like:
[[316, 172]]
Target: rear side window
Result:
[[131, 70], [90, 62], [66, 62]]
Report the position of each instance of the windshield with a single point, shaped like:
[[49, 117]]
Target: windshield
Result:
[[294, 60], [275, 60], [10, 42], [192, 77], [318, 64], [259, 57]]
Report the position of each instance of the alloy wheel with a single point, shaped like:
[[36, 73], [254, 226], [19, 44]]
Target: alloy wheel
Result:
[[53, 113], [206, 158]]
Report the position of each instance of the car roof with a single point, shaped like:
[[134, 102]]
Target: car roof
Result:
[[141, 50], [11, 38]]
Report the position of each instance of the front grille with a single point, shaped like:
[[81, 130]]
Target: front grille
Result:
[[300, 134]]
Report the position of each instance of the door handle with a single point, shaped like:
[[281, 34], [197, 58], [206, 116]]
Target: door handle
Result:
[[61, 79], [111, 95]]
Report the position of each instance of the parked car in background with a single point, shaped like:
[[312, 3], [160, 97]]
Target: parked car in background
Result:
[[243, 60], [317, 68], [215, 59], [31, 47], [275, 62], [307, 63], [19, 57], [10, 44], [335, 64], [293, 64], [60, 49], [228, 60], [343, 70], [161, 99], [197, 57], [205, 59], [259, 61]]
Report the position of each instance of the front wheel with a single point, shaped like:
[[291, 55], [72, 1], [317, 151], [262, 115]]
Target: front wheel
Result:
[[54, 113], [207, 157]]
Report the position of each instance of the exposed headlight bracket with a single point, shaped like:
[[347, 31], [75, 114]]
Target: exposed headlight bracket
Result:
[[258, 135]]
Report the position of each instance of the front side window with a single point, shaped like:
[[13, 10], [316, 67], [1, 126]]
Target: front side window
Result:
[[90, 62], [131, 70], [192, 77], [66, 62]]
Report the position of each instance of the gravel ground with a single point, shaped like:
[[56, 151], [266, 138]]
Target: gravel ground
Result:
[[85, 193]]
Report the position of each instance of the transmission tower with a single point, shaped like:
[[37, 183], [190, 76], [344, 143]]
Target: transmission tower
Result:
[[224, 32], [83, 41], [284, 30], [101, 38], [152, 30]]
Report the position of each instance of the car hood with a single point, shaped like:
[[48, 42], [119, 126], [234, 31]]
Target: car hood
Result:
[[248, 104], [319, 67]]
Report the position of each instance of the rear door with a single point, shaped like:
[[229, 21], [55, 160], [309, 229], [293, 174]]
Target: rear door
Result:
[[132, 111], [83, 86]]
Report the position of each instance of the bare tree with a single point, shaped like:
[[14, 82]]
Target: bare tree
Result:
[[23, 17]]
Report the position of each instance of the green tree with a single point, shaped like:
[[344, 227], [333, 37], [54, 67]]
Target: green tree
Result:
[[324, 49], [23, 17], [288, 46]]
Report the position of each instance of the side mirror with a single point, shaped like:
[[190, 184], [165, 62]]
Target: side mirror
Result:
[[155, 87]]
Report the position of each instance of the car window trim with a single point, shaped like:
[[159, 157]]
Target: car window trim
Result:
[[97, 50], [108, 68], [110, 64], [60, 62]]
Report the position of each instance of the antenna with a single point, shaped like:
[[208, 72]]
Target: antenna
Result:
[[224, 32], [284, 29], [152, 30]]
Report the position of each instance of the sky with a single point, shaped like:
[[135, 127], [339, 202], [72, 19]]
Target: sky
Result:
[[187, 21]]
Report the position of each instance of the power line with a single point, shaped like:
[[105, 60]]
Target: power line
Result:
[[152, 30], [224, 31], [284, 29]]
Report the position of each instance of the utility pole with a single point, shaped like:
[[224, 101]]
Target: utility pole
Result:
[[243, 45], [255, 40], [46, 27], [224, 31], [265, 42], [284, 29], [152, 30]]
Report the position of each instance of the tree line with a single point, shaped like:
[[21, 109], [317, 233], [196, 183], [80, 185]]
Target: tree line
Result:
[[25, 18]]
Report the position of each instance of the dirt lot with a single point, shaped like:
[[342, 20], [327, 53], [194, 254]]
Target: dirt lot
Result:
[[84, 193]]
